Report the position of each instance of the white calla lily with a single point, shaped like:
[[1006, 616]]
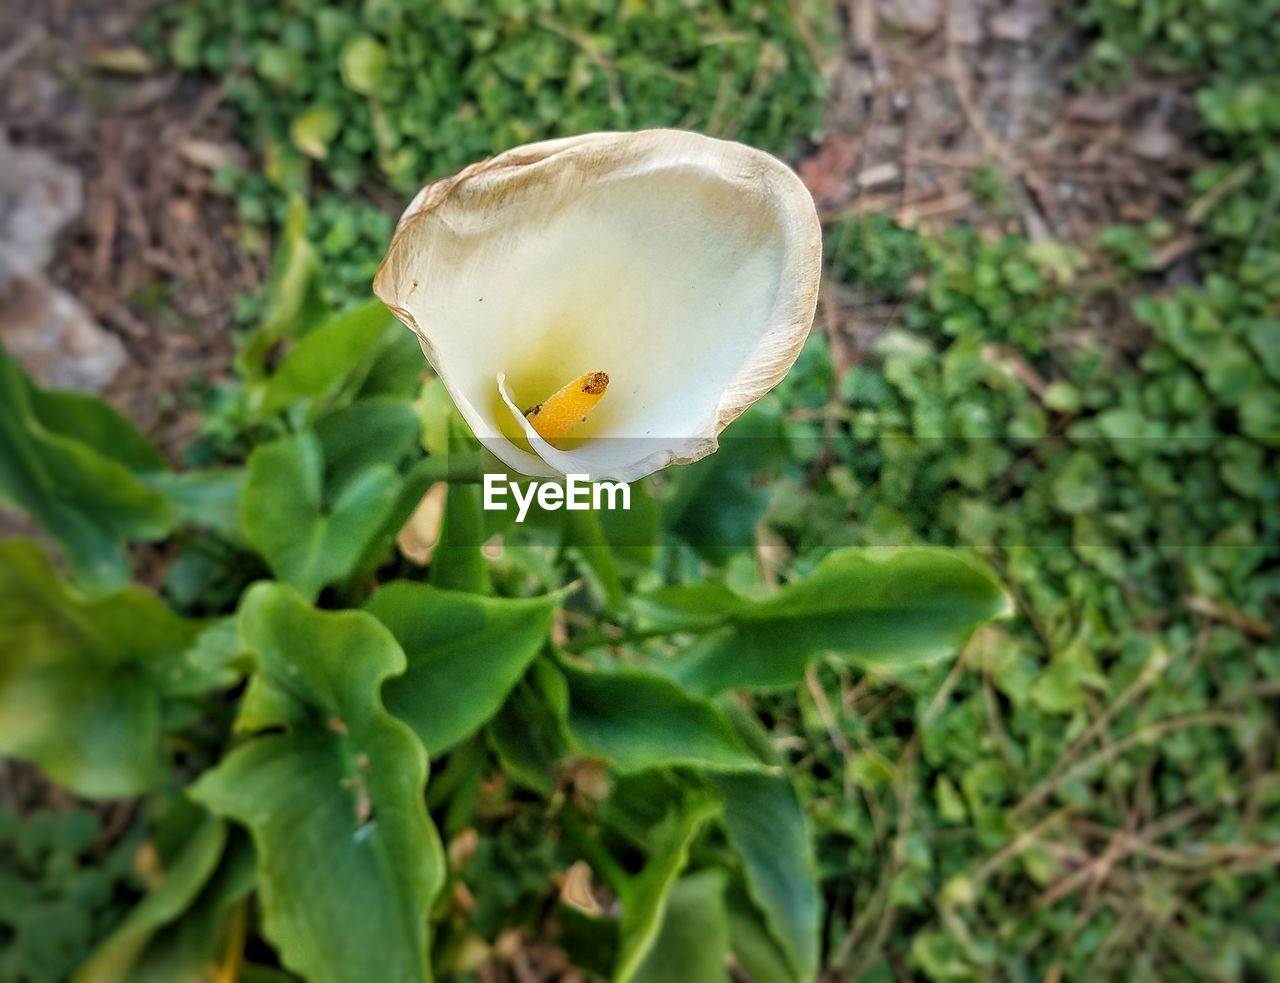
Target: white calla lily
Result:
[[685, 268]]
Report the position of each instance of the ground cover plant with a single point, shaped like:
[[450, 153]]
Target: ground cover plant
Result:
[[1086, 786]]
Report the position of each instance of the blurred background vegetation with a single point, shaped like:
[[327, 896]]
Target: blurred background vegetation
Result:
[[1049, 333]]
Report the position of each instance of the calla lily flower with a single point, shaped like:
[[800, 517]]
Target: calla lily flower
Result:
[[607, 304]]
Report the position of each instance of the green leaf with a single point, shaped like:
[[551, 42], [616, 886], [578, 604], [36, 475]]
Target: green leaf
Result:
[[752, 942], [589, 941], [865, 605], [218, 655], [716, 503], [458, 563], [698, 606], [585, 533], [465, 654], [116, 959], [363, 62], [307, 542], [417, 481], [83, 682], [205, 499], [437, 415], [397, 369], [644, 897], [182, 951], [767, 828], [312, 130], [527, 735], [364, 435], [1264, 336], [95, 422], [634, 534], [70, 462], [295, 302], [348, 861], [1260, 414], [319, 363], [636, 720], [1077, 487], [693, 942]]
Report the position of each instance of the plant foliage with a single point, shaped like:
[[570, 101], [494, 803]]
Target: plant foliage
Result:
[[772, 717]]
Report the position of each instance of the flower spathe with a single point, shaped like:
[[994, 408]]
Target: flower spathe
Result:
[[683, 267]]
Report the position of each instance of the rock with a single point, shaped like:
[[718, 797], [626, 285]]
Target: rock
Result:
[[878, 175], [54, 337], [913, 16], [38, 197], [964, 27], [1020, 22], [41, 324], [1154, 141]]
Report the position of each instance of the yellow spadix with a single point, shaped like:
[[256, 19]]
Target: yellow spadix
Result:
[[559, 413]]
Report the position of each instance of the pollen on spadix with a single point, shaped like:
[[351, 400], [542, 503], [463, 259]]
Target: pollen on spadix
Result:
[[557, 415]]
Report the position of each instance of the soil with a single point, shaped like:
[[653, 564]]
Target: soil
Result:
[[154, 255], [928, 97]]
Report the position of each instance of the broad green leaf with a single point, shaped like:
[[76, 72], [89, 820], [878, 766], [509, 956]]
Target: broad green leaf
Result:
[[752, 942], [767, 828], [693, 607], [320, 362], [634, 534], [416, 482], [753, 733], [370, 433], [458, 563], [1260, 415], [693, 944], [184, 950], [585, 534], [95, 422], [465, 654], [307, 541], [636, 720], [866, 605], [332, 794], [294, 298], [397, 370], [639, 801], [205, 499], [83, 682], [116, 959], [715, 504], [70, 461], [527, 734], [645, 896], [218, 655], [364, 435]]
